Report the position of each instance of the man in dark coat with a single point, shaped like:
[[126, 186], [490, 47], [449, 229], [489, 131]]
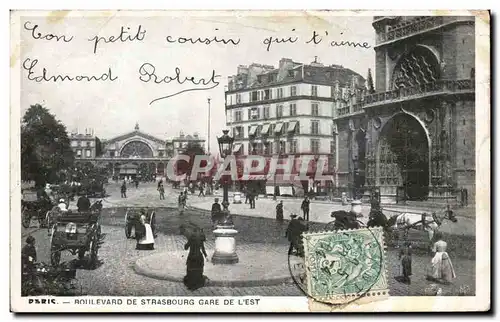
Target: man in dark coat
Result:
[[83, 204], [294, 231], [216, 211], [124, 189], [305, 208], [28, 254], [279, 211]]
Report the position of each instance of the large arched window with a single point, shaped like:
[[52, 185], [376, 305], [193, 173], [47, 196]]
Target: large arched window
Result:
[[136, 149], [417, 67]]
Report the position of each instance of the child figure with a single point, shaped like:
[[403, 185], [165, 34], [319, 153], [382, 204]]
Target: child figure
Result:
[[405, 257]]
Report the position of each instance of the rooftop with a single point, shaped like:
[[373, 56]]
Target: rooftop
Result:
[[260, 76]]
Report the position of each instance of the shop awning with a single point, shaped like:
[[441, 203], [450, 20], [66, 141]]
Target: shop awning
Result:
[[252, 131], [278, 128], [237, 147], [291, 126], [265, 129]]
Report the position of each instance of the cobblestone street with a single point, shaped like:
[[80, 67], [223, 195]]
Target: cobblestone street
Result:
[[116, 276]]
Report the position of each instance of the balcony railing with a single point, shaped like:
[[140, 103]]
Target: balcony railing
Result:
[[416, 26], [429, 89], [408, 93]]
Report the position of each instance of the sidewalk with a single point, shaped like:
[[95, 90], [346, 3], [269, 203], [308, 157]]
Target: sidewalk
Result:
[[320, 212]]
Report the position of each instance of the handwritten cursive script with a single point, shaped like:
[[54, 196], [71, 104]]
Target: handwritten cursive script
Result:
[[148, 74], [30, 64]]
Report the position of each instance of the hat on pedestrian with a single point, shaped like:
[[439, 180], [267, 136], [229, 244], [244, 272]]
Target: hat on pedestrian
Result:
[[216, 199], [30, 240], [293, 216]]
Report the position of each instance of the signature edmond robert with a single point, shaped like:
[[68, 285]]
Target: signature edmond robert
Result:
[[148, 74]]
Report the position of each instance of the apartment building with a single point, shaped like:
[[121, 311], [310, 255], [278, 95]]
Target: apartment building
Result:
[[289, 109]]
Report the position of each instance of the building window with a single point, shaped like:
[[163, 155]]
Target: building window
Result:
[[79, 143], [282, 147], [268, 94], [293, 146], [463, 121], [293, 109], [160, 154], [314, 146], [271, 129], [315, 109], [112, 154], [315, 127], [290, 73], [87, 153], [293, 90], [266, 112], [280, 92], [254, 96], [332, 91], [78, 153], [88, 143], [73, 143], [279, 111], [238, 98], [314, 90], [464, 141], [254, 113], [464, 162], [238, 132], [332, 147], [237, 116]]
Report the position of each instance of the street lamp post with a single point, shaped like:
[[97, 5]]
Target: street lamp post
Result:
[[225, 243]]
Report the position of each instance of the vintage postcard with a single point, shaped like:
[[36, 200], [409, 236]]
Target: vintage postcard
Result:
[[250, 161]]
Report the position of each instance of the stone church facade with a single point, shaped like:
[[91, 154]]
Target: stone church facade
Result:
[[414, 137]]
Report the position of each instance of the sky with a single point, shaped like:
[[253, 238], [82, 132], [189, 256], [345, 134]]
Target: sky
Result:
[[113, 108]]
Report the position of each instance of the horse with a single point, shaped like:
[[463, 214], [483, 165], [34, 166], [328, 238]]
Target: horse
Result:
[[344, 220], [425, 221]]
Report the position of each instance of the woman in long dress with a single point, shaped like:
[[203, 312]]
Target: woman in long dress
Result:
[[144, 235], [441, 266], [194, 278]]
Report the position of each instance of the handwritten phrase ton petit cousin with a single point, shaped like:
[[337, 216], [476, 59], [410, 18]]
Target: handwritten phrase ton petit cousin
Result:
[[147, 72]]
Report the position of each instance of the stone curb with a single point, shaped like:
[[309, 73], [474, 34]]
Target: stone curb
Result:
[[139, 269]]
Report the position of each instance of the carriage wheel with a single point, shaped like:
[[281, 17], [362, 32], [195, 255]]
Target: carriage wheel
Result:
[[128, 230], [93, 253], [25, 217], [55, 257]]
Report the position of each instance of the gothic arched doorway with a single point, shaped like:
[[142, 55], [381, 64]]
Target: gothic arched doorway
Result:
[[403, 157]]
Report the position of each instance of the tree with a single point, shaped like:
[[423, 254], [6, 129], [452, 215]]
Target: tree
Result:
[[45, 147], [192, 149], [98, 147], [369, 80]]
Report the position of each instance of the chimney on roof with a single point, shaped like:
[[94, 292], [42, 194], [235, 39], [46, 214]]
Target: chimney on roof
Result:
[[195, 135], [181, 134]]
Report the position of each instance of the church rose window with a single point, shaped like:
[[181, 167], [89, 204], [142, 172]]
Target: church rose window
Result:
[[417, 67], [136, 149]]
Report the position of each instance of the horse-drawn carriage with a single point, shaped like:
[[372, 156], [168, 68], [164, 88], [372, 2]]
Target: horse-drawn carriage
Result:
[[133, 216], [34, 207], [78, 233]]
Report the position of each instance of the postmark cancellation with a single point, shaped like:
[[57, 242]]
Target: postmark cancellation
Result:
[[347, 266]]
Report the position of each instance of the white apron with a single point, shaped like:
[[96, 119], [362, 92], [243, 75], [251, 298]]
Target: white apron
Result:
[[148, 239]]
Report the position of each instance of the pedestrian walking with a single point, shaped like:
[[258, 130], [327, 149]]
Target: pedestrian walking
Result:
[[181, 203], [279, 211], [124, 189], [161, 190], [202, 191], [406, 262], [305, 208], [441, 269], [136, 183], [293, 233], [194, 278]]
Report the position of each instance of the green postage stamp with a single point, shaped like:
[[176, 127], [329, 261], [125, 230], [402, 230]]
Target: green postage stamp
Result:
[[346, 266]]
